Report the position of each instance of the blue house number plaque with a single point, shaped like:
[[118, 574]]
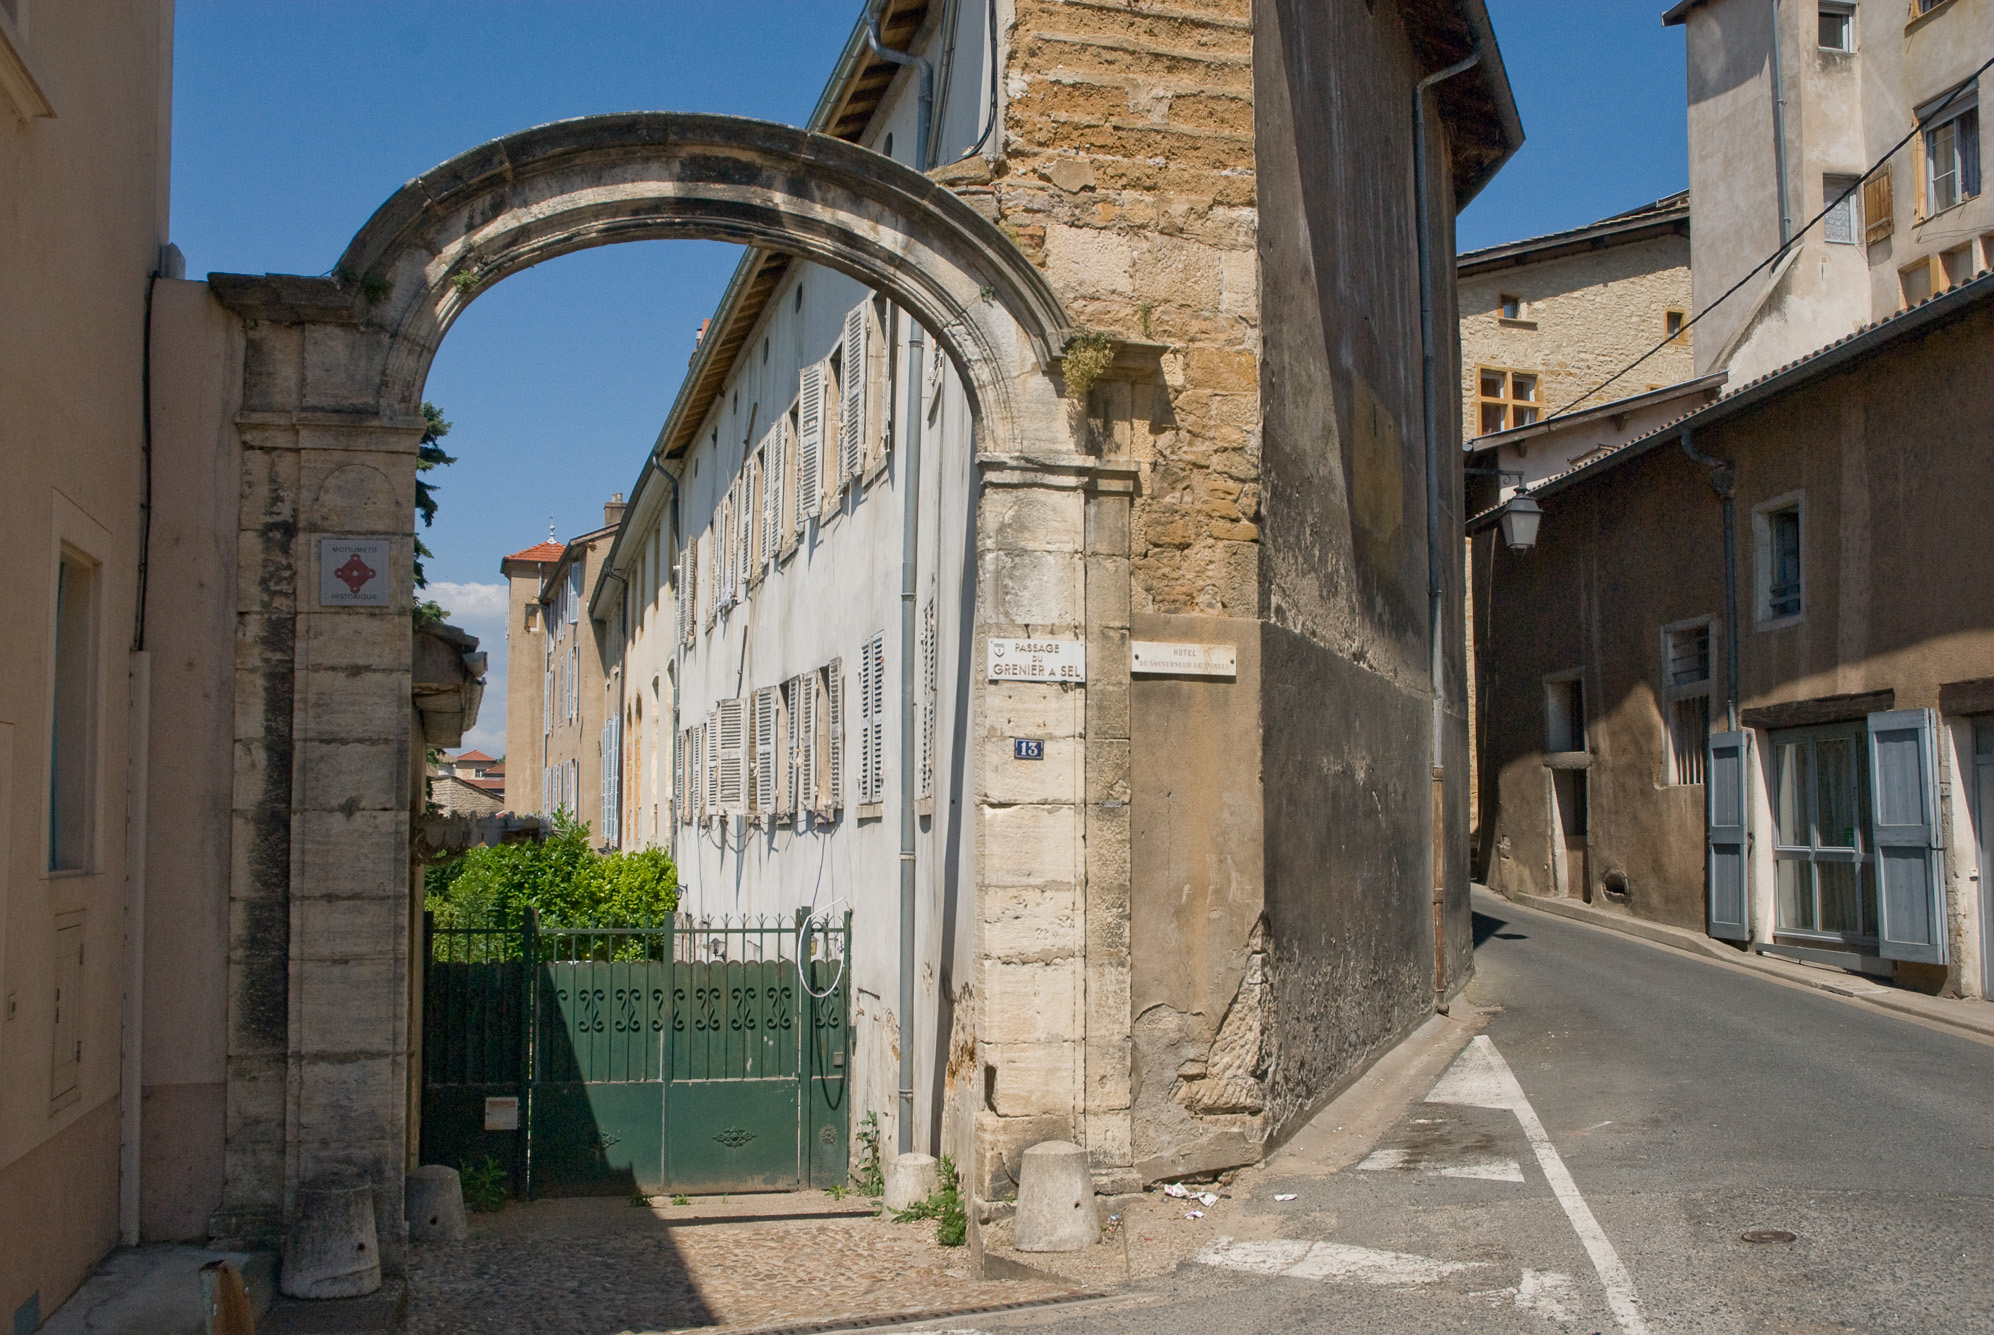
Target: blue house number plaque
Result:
[[1028, 748]]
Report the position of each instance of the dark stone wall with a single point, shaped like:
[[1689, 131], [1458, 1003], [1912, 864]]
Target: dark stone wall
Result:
[[1346, 713]]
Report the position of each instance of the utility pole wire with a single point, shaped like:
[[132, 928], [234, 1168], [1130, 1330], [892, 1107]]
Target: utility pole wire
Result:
[[1775, 257]]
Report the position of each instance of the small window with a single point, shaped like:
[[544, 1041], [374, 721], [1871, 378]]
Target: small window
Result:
[[1838, 27], [1565, 714], [1505, 399], [1686, 690], [1673, 323], [1840, 197], [1778, 539], [1510, 307], [1952, 152], [73, 716]]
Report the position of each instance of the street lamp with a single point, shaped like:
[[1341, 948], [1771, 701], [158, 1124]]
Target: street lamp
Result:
[[1520, 516]]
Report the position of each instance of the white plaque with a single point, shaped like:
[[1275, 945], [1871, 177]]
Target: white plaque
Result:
[[1184, 660], [353, 572], [1038, 660], [502, 1114]]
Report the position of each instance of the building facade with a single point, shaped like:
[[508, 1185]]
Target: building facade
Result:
[[812, 692], [1780, 132], [1741, 684], [85, 96]]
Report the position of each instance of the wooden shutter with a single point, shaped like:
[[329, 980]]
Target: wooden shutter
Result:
[[810, 444], [1904, 822], [733, 748], [806, 748], [834, 714], [710, 789], [779, 489], [1726, 796], [745, 519], [875, 709], [853, 397], [1878, 216], [763, 799]]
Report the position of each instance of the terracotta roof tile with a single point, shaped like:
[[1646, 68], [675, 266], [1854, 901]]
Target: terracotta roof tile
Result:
[[549, 551]]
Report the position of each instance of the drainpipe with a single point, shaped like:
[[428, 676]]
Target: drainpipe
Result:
[[1436, 547], [910, 529], [1779, 134], [1724, 483], [925, 110]]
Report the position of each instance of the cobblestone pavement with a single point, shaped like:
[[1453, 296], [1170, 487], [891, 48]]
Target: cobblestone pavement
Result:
[[606, 1267]]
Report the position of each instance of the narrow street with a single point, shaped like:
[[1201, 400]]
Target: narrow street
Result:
[[1690, 1104]]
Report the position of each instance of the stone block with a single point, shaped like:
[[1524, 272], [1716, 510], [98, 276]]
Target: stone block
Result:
[[1030, 1003], [342, 366], [349, 494], [1030, 845], [1086, 261], [1056, 1211], [1108, 709], [274, 589], [360, 855], [352, 774], [1108, 854], [1109, 1083], [1174, 269], [337, 929], [1029, 923], [331, 1249], [1030, 709], [434, 1205], [1056, 778], [1222, 369], [341, 1101], [1108, 598], [1032, 1079], [1239, 284], [255, 1110], [999, 1144], [1107, 771], [1109, 1139], [910, 1179], [1044, 590], [351, 1007], [356, 639], [362, 704], [1032, 519]]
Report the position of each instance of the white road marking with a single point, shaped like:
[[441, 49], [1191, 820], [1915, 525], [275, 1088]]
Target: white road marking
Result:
[[1331, 1261], [1488, 1170], [1480, 1078], [1545, 1291]]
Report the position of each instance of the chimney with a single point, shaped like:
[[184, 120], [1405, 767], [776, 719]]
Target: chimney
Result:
[[612, 512]]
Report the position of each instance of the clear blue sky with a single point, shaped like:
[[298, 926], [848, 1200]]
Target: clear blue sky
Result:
[[294, 120]]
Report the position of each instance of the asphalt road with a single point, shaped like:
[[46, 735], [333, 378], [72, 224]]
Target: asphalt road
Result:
[[1681, 1105]]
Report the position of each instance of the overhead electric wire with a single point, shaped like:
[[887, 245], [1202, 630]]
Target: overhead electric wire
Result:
[[1972, 81]]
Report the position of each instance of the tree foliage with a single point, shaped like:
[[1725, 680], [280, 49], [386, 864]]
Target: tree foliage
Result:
[[569, 882], [428, 455]]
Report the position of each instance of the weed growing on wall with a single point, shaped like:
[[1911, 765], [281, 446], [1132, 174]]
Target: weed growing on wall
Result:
[[944, 1206], [1086, 357]]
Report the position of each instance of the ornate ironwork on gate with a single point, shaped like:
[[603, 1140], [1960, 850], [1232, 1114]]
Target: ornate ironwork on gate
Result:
[[696, 1055]]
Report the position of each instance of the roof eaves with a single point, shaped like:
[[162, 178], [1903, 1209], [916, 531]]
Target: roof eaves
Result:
[[1954, 302], [1613, 408], [1625, 229]]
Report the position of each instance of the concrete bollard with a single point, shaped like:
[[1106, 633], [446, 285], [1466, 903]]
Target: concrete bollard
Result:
[[1056, 1210], [911, 1179], [434, 1205], [331, 1250]]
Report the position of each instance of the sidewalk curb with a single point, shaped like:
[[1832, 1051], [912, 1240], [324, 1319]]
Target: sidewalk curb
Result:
[[1953, 1014]]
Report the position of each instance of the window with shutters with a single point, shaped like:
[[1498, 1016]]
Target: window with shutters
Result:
[[709, 743], [1843, 223], [611, 794], [1505, 399], [806, 695], [833, 730], [732, 795], [812, 410], [762, 799], [746, 518], [855, 403], [924, 783], [1950, 131], [872, 722], [66, 1039], [1687, 688], [1878, 209], [1824, 885], [1777, 532], [1836, 26]]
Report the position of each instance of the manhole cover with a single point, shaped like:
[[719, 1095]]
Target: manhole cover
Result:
[[1766, 1235]]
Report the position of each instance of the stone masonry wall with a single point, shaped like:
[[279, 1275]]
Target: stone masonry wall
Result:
[[1586, 317], [1128, 177]]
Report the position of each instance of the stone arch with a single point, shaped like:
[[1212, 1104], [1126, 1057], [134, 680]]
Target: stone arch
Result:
[[332, 383]]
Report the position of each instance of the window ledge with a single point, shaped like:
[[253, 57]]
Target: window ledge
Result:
[[1515, 323], [17, 76], [1779, 623], [1922, 219], [1917, 21]]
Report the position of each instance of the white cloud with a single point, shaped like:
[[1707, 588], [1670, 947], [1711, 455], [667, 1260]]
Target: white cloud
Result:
[[481, 610]]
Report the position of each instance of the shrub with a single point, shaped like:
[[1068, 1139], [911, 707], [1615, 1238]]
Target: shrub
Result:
[[569, 882]]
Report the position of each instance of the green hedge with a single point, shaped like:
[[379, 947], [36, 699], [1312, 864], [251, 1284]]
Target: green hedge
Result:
[[569, 882]]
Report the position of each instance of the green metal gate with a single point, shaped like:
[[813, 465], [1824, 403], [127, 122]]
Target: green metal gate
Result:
[[697, 1056]]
